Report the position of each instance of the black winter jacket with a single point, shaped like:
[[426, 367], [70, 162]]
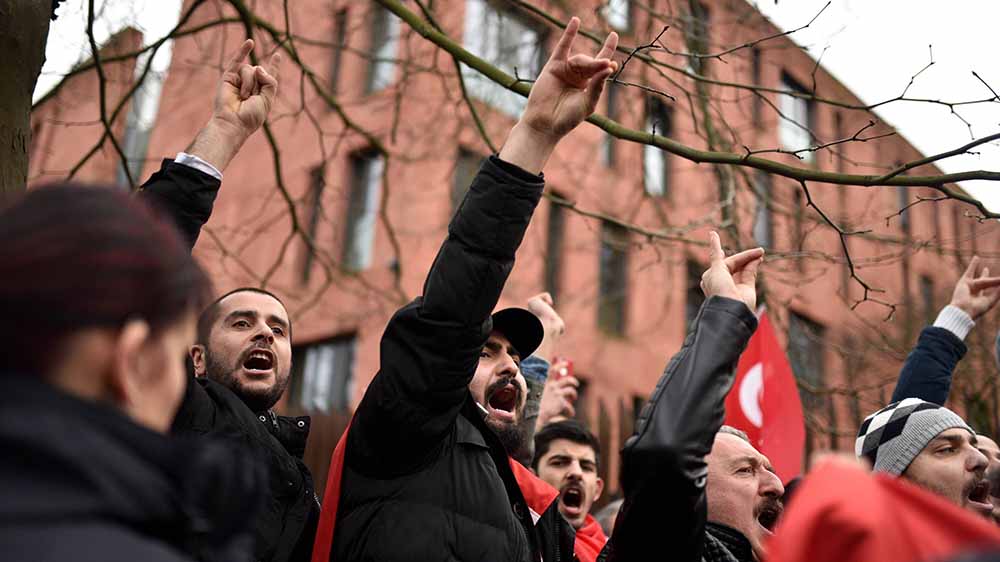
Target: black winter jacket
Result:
[[424, 477], [929, 367], [287, 525], [82, 482], [663, 463]]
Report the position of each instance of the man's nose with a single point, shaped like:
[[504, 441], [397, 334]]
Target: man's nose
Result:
[[771, 485], [977, 462], [263, 332]]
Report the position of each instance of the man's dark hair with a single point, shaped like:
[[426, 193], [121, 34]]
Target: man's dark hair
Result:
[[76, 257], [569, 430], [211, 312]]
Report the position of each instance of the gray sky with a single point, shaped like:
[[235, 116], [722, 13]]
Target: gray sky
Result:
[[872, 46]]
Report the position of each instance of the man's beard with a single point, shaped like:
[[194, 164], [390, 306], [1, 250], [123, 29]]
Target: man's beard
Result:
[[257, 401], [511, 435]]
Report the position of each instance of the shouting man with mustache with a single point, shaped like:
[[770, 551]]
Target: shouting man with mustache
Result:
[[696, 490]]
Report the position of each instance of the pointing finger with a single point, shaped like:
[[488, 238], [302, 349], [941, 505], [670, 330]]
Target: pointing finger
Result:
[[715, 254], [561, 52]]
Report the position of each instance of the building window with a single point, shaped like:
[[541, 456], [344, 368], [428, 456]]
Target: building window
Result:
[[806, 354], [618, 13], [385, 39], [927, 299], [142, 115], [763, 226], [697, 36], [317, 183], [797, 119], [554, 249], [339, 45], [608, 142], [613, 290], [695, 297], [466, 167], [362, 210], [757, 105], [656, 162], [506, 41], [323, 375], [902, 200]]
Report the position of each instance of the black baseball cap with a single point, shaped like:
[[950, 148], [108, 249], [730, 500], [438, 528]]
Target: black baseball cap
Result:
[[522, 329]]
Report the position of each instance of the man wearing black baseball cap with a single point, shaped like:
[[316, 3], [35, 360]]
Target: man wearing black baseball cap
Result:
[[424, 472]]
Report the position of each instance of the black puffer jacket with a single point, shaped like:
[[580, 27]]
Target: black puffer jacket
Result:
[[424, 477], [80, 481], [663, 463], [287, 524]]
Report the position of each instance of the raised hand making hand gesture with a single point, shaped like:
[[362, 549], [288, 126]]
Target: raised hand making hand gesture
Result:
[[242, 103], [976, 292], [734, 277], [564, 95]]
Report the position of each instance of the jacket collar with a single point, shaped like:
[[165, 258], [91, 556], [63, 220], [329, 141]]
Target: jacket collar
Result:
[[733, 540]]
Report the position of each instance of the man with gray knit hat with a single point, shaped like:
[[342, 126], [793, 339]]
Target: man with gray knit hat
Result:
[[930, 446]]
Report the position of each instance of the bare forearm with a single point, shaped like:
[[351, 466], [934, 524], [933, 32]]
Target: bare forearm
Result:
[[527, 148], [217, 143]]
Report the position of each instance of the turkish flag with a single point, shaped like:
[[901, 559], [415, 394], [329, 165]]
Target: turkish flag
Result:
[[764, 402]]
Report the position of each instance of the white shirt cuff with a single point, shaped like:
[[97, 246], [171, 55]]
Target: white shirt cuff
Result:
[[191, 161], [955, 320]]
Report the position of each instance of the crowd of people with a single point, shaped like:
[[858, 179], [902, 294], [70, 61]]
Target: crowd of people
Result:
[[138, 423]]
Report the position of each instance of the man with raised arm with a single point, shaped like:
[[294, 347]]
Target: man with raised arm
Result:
[[425, 474], [242, 357], [696, 490]]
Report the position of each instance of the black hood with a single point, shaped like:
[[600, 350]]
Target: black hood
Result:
[[70, 459]]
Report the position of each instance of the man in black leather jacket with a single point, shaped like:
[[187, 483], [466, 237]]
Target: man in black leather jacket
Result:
[[693, 492]]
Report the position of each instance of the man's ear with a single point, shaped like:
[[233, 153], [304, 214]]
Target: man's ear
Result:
[[197, 353], [127, 369], [600, 488]]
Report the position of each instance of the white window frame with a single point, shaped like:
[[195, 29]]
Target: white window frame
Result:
[[383, 68], [485, 28], [793, 129], [618, 13], [359, 240], [321, 388]]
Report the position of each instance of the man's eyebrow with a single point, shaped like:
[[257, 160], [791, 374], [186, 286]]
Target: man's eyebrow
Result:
[[278, 320], [241, 314], [745, 459], [950, 439], [493, 346]]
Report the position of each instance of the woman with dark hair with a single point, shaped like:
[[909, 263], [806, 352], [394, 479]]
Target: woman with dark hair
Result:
[[99, 297]]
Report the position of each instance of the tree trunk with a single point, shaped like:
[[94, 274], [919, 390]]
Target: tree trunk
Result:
[[24, 28]]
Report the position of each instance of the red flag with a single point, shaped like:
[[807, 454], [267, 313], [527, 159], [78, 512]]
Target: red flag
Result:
[[764, 402]]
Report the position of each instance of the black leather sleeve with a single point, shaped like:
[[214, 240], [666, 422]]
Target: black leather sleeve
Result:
[[663, 463]]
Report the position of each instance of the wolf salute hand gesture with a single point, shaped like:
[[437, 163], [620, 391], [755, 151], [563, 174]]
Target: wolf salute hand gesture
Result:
[[565, 93], [245, 97]]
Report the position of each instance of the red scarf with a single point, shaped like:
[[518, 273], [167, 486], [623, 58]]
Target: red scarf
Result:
[[537, 493]]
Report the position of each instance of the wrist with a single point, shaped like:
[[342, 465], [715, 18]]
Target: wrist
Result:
[[528, 148], [956, 320], [218, 142]]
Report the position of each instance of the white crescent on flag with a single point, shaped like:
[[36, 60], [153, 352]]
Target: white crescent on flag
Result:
[[751, 389]]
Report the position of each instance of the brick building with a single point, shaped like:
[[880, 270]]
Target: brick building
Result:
[[624, 252]]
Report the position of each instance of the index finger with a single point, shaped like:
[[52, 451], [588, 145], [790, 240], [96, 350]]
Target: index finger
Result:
[[715, 253], [561, 52], [977, 285], [240, 56]]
